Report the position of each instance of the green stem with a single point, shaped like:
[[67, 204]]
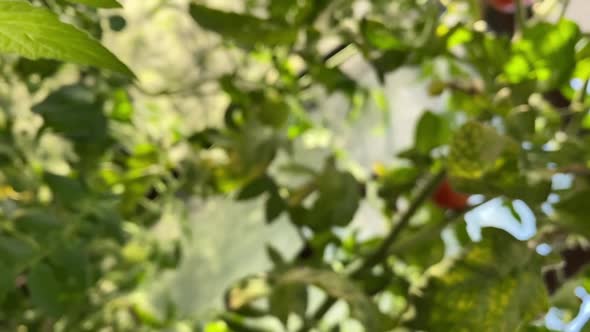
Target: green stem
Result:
[[577, 109], [430, 233], [519, 19], [404, 219], [381, 253], [566, 4]]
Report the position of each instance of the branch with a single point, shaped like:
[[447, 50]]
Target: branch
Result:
[[382, 252], [519, 19], [404, 219], [566, 4], [427, 234]]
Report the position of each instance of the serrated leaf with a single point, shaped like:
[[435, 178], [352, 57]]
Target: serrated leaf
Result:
[[34, 32], [484, 161], [243, 29], [478, 150], [338, 286], [99, 3], [45, 290], [496, 286]]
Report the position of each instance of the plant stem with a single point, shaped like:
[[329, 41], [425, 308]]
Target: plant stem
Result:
[[566, 4], [519, 19], [404, 219], [430, 233], [577, 109], [381, 253]]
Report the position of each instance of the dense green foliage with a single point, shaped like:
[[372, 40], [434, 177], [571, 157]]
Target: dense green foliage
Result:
[[77, 223]]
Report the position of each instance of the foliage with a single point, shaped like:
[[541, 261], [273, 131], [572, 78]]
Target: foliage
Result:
[[78, 224]]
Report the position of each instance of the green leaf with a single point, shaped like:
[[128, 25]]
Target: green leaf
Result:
[[75, 112], [478, 150], [431, 132], [572, 211], [122, 106], [99, 3], [218, 326], [338, 286], [66, 191], [274, 206], [256, 188], [35, 32], [45, 290], [388, 62], [546, 53], [379, 36], [7, 277], [72, 268], [273, 111], [15, 252], [287, 299], [332, 78], [42, 67], [520, 123], [243, 29], [338, 201], [274, 256], [496, 286], [484, 161], [38, 222], [395, 182]]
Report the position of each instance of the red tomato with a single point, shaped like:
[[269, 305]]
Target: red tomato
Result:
[[507, 6], [446, 198]]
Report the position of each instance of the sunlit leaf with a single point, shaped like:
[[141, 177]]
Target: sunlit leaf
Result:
[[378, 35], [496, 286], [35, 32], [546, 53]]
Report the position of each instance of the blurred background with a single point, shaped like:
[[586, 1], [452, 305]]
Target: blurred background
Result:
[[177, 65]]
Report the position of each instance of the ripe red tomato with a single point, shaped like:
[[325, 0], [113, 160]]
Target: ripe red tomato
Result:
[[507, 6], [447, 198]]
